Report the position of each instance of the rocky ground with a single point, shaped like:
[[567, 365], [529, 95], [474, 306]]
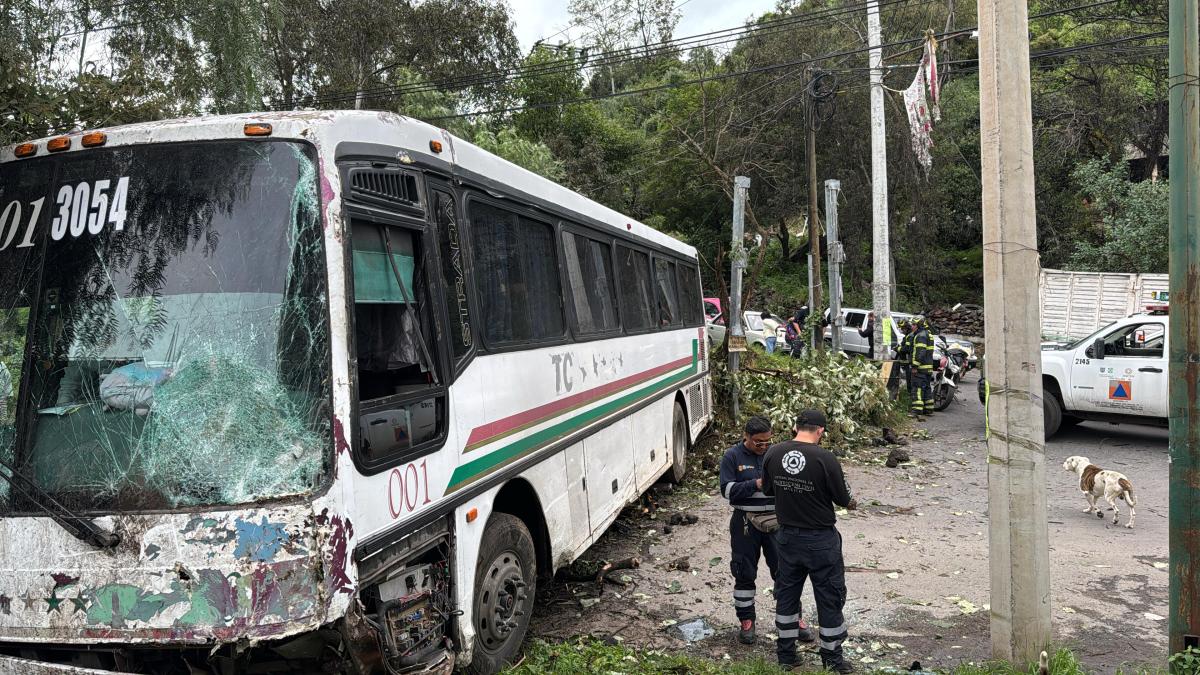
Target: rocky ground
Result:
[[916, 556]]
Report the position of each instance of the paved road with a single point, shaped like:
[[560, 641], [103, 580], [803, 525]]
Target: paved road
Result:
[[917, 551]]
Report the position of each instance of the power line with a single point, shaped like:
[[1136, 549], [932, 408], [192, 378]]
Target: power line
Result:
[[776, 66], [624, 56], [603, 59], [619, 56]]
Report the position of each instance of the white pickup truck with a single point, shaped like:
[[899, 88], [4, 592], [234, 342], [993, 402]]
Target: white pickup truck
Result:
[[1117, 374]]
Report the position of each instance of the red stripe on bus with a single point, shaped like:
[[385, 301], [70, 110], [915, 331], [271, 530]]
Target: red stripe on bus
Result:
[[492, 430]]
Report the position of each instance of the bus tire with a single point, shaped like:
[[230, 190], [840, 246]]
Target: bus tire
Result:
[[679, 445], [505, 581]]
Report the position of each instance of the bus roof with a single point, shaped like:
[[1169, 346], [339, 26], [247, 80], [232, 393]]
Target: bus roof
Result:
[[328, 128]]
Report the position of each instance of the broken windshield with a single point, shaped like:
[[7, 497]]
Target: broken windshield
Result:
[[163, 325]]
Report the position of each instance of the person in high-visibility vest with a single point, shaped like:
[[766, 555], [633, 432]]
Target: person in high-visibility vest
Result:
[[922, 369]]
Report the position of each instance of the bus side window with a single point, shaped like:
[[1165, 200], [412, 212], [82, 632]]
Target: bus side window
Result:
[[691, 304], [636, 294], [516, 274], [667, 293], [590, 285], [399, 385]]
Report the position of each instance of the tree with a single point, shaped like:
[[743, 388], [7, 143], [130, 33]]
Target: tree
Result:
[[1128, 220]]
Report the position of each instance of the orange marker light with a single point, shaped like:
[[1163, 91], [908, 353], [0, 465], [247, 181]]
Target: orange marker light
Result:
[[472, 515], [257, 129], [59, 144], [435, 146], [94, 139], [25, 150]]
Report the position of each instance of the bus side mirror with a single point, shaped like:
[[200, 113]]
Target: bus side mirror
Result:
[[1097, 350]]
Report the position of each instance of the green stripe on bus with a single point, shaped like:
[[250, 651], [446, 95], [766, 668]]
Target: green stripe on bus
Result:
[[472, 471]]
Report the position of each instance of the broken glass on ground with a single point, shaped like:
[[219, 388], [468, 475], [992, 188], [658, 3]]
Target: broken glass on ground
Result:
[[693, 630]]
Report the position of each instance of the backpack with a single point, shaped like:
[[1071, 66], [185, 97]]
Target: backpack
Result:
[[791, 332]]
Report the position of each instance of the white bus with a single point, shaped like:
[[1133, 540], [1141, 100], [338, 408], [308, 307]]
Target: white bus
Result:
[[317, 390]]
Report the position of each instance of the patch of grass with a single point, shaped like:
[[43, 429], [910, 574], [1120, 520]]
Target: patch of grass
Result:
[[1062, 662], [591, 656], [586, 655]]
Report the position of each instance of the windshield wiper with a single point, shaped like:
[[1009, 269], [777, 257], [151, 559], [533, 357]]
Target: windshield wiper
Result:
[[82, 527]]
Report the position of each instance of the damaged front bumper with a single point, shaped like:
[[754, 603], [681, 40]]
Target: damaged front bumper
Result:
[[11, 665], [179, 578]]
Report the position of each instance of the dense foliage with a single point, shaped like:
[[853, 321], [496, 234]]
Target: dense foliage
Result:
[[849, 390], [658, 128]]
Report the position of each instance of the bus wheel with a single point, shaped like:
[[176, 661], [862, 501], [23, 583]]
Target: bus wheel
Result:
[[679, 445], [505, 580]]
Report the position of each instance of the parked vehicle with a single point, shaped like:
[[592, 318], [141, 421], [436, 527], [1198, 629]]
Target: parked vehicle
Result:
[[854, 320], [713, 311], [957, 343], [1117, 374], [751, 323], [1076, 304], [951, 363]]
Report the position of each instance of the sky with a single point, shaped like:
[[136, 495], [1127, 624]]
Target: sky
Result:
[[537, 19]]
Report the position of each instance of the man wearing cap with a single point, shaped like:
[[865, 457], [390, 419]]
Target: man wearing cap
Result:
[[807, 481], [741, 484]]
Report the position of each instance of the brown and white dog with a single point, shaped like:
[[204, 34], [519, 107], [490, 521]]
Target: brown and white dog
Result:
[[1095, 482]]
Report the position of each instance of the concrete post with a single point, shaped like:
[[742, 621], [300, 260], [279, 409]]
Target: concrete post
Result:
[[1017, 536], [832, 188], [881, 298], [737, 334]]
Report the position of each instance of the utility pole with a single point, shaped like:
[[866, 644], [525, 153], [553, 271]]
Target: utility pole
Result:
[[1184, 370], [881, 297], [814, 230], [1018, 549], [737, 335], [832, 188]]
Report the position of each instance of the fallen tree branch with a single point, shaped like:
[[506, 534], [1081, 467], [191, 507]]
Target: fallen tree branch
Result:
[[880, 570], [626, 564]]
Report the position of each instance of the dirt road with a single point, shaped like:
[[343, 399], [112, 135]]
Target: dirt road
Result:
[[916, 552]]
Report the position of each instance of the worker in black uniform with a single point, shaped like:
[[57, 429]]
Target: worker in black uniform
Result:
[[868, 332], [741, 484], [807, 481], [904, 355], [922, 369]]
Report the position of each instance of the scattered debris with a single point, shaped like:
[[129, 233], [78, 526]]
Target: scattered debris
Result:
[[594, 571], [681, 563], [694, 630], [683, 519], [897, 457], [880, 570]]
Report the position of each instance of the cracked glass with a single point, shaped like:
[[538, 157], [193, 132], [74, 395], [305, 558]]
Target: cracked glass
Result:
[[164, 325]]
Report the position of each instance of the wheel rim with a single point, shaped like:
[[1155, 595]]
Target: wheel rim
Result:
[[500, 604]]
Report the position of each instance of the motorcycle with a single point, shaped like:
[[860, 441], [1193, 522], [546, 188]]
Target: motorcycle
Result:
[[950, 364]]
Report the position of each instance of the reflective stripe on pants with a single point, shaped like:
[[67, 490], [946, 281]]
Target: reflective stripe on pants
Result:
[[804, 555]]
